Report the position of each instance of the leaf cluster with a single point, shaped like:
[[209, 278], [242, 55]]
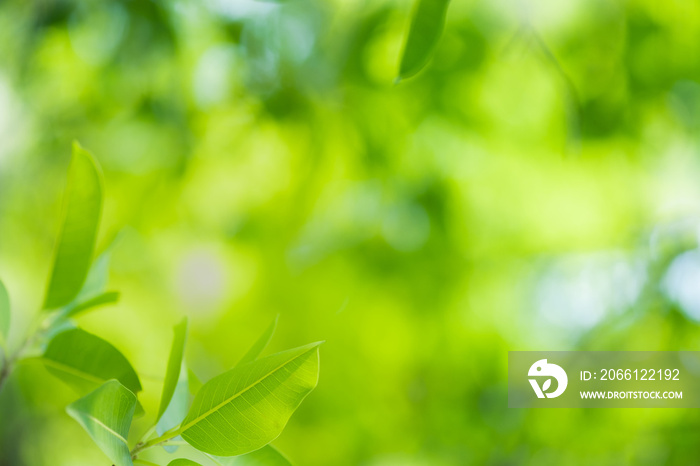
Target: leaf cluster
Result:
[[232, 418]]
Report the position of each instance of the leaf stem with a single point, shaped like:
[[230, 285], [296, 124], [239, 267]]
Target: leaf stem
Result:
[[175, 443], [169, 435], [148, 433]]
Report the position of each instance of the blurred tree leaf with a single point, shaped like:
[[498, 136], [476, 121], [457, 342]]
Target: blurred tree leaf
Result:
[[247, 407], [183, 462], [106, 415], [266, 456], [97, 277], [108, 297], [193, 381], [260, 344], [424, 34], [83, 361], [56, 328], [172, 373], [4, 314], [78, 233]]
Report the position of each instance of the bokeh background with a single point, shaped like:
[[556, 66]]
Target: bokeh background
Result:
[[537, 187]]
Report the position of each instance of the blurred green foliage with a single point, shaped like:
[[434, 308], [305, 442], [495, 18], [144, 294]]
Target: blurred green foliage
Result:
[[535, 187]]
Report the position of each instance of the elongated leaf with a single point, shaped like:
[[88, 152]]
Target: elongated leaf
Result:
[[58, 327], [183, 462], [246, 408], [4, 314], [266, 456], [175, 398], [84, 361], [97, 277], [82, 207], [108, 297], [177, 409], [260, 344], [106, 415], [172, 373], [424, 34]]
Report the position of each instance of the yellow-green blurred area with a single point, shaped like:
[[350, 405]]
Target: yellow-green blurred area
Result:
[[536, 187]]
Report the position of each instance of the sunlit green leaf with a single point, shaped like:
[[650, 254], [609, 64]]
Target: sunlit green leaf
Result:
[[175, 398], [172, 373], [108, 297], [84, 361], [97, 277], [260, 344], [423, 36], [4, 314], [183, 462], [247, 407], [82, 206], [266, 456], [57, 328], [106, 415], [177, 409]]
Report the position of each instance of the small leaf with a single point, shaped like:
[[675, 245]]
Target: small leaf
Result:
[[266, 456], [58, 327], [247, 407], [183, 462], [82, 207], [175, 398], [260, 344], [4, 315], [546, 385], [424, 34], [97, 277], [108, 297], [177, 409], [106, 415], [172, 373], [83, 361]]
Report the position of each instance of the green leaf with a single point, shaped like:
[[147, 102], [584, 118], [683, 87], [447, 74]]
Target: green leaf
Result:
[[175, 397], [106, 415], [82, 206], [183, 462], [83, 361], [177, 409], [108, 297], [424, 33], [4, 315], [172, 373], [266, 456], [260, 344], [247, 407], [97, 277]]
